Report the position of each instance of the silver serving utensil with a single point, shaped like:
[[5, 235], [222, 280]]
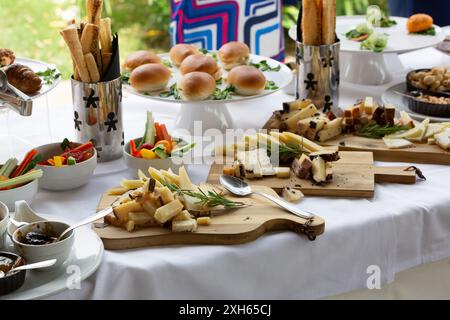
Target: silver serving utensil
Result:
[[101, 214], [14, 98], [240, 188], [37, 265]]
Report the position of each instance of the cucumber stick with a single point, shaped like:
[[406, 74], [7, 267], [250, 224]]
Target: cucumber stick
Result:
[[8, 167], [182, 150], [30, 176], [160, 152], [149, 135]]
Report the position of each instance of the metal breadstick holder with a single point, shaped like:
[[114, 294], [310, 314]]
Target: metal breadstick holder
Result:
[[318, 74], [98, 110], [14, 98]]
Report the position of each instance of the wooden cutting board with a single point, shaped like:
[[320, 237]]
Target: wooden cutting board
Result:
[[420, 153], [233, 227], [353, 176]]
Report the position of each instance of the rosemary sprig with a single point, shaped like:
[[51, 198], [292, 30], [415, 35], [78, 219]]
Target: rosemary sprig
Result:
[[208, 199], [287, 152], [375, 131], [224, 94], [264, 66], [49, 76], [271, 85], [173, 91]]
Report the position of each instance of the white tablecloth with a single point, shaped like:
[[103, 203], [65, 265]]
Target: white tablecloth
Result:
[[401, 227]]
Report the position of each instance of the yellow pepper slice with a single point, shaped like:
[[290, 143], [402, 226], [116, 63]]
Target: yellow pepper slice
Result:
[[58, 161], [148, 154]]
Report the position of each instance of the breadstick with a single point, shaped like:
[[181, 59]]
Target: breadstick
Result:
[[106, 35], [328, 21], [76, 74], [70, 35], [94, 11], [92, 67], [88, 36], [106, 60], [312, 22], [89, 42]]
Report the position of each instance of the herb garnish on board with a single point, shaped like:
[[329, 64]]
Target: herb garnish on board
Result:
[[264, 66], [376, 131], [49, 76]]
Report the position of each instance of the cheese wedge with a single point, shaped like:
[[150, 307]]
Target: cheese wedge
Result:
[[307, 112], [165, 194], [183, 215], [330, 130], [184, 226], [414, 133], [292, 195], [185, 181], [433, 129], [142, 219], [397, 143], [443, 139], [168, 211]]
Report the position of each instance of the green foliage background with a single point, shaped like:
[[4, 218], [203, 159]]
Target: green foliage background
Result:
[[31, 27]]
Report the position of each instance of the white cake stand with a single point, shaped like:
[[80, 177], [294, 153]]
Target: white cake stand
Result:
[[8, 117], [211, 117], [370, 68]]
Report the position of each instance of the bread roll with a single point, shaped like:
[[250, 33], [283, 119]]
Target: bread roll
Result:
[[201, 63], [419, 22], [247, 80], [312, 22], [23, 78], [196, 86], [234, 54], [139, 58], [7, 57], [150, 77], [181, 51]]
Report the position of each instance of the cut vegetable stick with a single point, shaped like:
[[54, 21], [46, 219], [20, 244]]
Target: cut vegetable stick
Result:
[[94, 11], [30, 155], [106, 35], [92, 67], [70, 36]]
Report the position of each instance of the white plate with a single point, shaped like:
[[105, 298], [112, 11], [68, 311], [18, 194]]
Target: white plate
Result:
[[281, 78], [87, 253], [39, 66], [401, 103], [399, 39]]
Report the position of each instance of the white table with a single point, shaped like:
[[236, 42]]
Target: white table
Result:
[[401, 227]]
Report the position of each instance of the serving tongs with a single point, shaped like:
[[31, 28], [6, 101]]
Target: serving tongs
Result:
[[14, 98]]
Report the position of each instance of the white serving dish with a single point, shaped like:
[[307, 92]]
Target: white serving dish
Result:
[[213, 114], [4, 218], [22, 213], [26, 192], [66, 177], [134, 164], [36, 253]]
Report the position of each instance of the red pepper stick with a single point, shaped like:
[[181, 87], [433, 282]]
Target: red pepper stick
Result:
[[80, 149], [166, 135], [133, 149], [30, 155]]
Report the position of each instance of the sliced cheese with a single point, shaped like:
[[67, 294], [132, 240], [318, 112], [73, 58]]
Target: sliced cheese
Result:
[[183, 215], [165, 194], [319, 170], [155, 174], [292, 138], [141, 219], [307, 112], [168, 211], [414, 133], [397, 143], [433, 129], [171, 177]]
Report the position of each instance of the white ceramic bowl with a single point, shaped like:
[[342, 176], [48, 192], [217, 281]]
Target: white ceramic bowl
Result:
[[35, 253], [66, 177], [4, 218], [25, 192], [134, 164]]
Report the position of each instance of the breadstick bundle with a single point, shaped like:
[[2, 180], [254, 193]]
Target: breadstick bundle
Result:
[[90, 44], [317, 22]]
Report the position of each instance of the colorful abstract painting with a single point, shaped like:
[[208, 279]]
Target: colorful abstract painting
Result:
[[211, 23]]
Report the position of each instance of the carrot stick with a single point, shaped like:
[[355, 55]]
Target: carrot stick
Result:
[[159, 135], [30, 155], [165, 134]]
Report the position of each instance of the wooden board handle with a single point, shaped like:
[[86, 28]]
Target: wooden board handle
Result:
[[395, 175]]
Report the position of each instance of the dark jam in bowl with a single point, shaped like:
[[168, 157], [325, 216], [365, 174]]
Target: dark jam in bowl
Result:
[[37, 239]]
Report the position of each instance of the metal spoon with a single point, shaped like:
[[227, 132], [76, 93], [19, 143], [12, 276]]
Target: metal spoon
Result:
[[37, 265], [101, 214], [240, 188]]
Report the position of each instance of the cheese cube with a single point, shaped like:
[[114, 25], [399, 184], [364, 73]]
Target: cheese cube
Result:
[[184, 226], [204, 221], [283, 172]]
